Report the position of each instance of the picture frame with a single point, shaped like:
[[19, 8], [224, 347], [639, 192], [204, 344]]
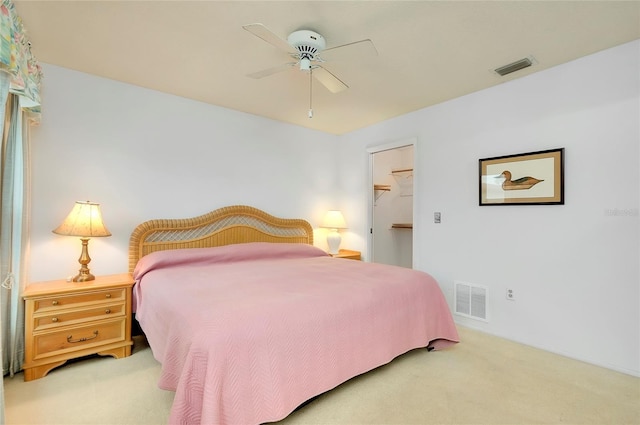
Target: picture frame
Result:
[[532, 178]]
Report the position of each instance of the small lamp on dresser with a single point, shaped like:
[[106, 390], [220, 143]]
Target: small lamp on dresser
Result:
[[334, 220], [85, 221]]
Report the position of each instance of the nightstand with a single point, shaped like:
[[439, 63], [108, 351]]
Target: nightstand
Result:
[[348, 254], [65, 320]]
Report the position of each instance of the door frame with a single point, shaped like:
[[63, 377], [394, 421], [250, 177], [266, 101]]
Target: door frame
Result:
[[402, 143]]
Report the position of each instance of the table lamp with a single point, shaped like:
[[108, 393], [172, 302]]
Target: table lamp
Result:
[[84, 220], [333, 220]]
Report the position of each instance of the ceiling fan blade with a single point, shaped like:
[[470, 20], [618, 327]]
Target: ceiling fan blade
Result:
[[271, 71], [356, 50], [330, 81], [267, 35]]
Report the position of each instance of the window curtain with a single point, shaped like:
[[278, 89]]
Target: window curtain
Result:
[[14, 221], [20, 77], [17, 60], [14, 190], [4, 93]]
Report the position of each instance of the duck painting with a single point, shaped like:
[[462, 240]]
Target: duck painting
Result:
[[518, 184]]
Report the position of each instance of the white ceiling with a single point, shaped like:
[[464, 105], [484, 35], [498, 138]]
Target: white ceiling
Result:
[[428, 51]]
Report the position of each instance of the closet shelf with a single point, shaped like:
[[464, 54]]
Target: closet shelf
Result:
[[402, 226], [403, 172], [379, 189], [404, 178]]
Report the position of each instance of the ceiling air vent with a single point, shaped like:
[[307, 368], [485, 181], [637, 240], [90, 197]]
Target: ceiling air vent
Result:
[[513, 67]]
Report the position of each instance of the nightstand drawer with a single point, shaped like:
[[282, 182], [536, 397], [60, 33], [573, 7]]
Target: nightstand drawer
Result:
[[84, 298], [70, 317], [71, 339]]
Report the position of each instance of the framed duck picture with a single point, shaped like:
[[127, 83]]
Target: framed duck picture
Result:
[[532, 178]]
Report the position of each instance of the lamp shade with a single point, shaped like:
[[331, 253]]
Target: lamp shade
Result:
[[334, 220], [84, 220]]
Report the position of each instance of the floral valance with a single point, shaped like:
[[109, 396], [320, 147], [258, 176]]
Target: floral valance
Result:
[[16, 58]]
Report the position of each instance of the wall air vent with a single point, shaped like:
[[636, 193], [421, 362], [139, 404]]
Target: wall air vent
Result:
[[515, 66], [470, 300]]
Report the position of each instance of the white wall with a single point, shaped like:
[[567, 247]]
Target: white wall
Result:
[[574, 268], [144, 155]]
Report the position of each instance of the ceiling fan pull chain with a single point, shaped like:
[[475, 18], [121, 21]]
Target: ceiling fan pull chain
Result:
[[310, 92]]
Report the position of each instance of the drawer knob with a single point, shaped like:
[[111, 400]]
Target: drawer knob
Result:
[[107, 311], [54, 302], [54, 319], [108, 295], [87, 338]]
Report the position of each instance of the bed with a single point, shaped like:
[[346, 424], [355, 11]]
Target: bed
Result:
[[249, 319]]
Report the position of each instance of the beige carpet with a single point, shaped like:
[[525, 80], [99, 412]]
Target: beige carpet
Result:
[[482, 380]]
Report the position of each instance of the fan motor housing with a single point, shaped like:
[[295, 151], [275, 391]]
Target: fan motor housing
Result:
[[308, 43]]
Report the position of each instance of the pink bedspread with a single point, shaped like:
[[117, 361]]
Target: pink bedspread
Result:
[[246, 333]]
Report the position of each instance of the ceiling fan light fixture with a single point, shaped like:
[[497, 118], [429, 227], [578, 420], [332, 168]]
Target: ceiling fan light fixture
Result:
[[306, 46], [307, 43], [305, 64]]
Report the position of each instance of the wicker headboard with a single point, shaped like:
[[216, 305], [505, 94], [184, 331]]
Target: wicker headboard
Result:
[[224, 226]]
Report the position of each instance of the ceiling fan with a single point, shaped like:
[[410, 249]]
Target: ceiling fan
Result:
[[308, 49]]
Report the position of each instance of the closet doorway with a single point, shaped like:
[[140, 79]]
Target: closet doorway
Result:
[[392, 169]]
